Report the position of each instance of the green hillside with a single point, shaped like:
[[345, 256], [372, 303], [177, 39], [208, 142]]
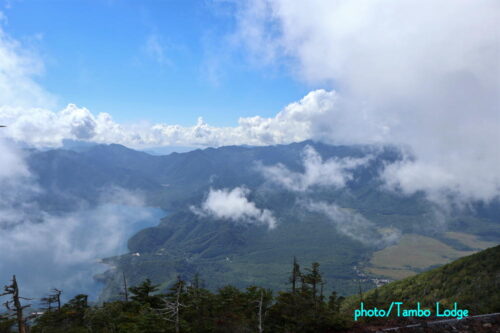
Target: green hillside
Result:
[[473, 282]]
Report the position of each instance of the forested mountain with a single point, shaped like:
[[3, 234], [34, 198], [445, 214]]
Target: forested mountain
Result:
[[350, 223], [177, 179]]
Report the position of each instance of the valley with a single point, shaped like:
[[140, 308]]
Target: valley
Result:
[[344, 224]]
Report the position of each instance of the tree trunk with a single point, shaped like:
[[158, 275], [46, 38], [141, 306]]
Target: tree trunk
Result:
[[177, 328], [125, 287], [17, 305], [261, 329]]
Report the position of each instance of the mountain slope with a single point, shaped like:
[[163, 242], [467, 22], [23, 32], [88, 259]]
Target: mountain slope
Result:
[[473, 282]]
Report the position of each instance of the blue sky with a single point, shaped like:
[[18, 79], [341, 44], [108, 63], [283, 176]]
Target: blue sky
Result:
[[408, 73], [157, 61]]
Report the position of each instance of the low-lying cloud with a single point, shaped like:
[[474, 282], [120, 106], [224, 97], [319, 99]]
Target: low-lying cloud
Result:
[[233, 205], [355, 225], [334, 172], [63, 251]]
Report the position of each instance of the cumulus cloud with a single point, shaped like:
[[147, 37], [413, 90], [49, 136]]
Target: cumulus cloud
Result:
[[42, 127], [335, 172], [226, 204], [355, 225], [298, 121], [421, 74]]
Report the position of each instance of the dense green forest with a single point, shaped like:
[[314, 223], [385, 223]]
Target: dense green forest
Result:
[[305, 307]]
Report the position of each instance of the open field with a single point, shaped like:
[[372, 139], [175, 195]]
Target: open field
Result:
[[469, 240], [416, 253]]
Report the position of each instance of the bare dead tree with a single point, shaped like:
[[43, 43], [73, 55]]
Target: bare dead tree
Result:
[[57, 296], [13, 289], [171, 309], [125, 288], [54, 297], [296, 275], [360, 291], [261, 301], [47, 301], [321, 294]]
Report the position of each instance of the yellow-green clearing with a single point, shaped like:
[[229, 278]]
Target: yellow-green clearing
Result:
[[471, 241], [415, 253]]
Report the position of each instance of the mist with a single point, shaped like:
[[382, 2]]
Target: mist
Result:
[[47, 250], [423, 75]]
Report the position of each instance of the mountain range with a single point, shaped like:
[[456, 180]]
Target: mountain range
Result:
[[326, 203]]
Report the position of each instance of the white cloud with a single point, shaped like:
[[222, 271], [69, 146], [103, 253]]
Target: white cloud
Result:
[[12, 166], [355, 225], [41, 127], [234, 205], [63, 251], [335, 172], [16, 184], [421, 74], [18, 67]]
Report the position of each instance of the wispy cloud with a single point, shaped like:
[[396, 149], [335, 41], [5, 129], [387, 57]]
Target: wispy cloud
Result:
[[334, 172], [355, 225], [233, 205], [156, 50], [18, 67]]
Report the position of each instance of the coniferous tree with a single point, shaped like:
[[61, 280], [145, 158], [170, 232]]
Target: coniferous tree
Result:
[[199, 306], [143, 293], [314, 279], [6, 324], [187, 307]]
